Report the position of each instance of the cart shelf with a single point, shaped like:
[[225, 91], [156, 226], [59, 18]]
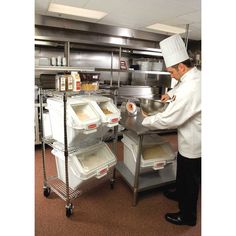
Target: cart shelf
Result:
[[59, 188], [51, 142]]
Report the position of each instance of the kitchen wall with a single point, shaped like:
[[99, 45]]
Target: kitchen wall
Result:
[[94, 45]]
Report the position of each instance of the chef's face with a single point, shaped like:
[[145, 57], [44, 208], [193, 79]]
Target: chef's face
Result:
[[174, 72]]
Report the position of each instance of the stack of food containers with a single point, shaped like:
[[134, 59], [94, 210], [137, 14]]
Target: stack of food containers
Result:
[[108, 112], [156, 152], [92, 161]]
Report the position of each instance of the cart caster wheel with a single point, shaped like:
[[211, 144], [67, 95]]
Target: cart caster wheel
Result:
[[112, 184], [69, 210], [46, 192]]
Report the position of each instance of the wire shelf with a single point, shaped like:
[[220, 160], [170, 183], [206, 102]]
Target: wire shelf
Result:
[[59, 187], [60, 147], [53, 92]]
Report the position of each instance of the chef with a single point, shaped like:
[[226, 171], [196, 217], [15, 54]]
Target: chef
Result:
[[183, 113]]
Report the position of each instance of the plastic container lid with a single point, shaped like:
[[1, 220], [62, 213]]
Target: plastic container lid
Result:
[[105, 107], [154, 148], [80, 113], [88, 162]]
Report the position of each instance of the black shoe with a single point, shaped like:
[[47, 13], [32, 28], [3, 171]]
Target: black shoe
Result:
[[171, 195], [177, 219]]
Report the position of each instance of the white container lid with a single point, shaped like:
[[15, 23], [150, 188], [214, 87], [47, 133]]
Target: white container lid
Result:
[[94, 157], [80, 113], [89, 162], [154, 148], [105, 107]]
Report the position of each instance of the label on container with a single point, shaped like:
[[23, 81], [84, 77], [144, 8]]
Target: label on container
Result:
[[114, 120], [62, 86], [159, 165], [77, 86], [103, 171], [92, 126], [76, 82], [69, 83]]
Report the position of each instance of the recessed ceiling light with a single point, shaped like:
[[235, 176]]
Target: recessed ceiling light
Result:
[[53, 7], [166, 28]]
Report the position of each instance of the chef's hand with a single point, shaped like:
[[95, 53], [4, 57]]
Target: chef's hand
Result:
[[165, 97]]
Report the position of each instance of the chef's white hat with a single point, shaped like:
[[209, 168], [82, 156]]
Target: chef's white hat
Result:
[[173, 50]]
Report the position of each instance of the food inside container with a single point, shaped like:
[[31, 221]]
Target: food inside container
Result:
[[83, 112], [92, 160], [82, 116], [106, 111], [89, 86], [89, 81], [104, 107], [154, 152]]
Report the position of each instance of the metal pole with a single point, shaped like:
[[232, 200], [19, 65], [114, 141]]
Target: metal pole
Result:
[[119, 67], [186, 36], [111, 69], [137, 170], [66, 151], [67, 53], [42, 137]]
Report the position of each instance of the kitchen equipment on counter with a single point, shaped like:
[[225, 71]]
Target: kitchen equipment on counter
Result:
[[131, 108], [152, 106], [156, 152]]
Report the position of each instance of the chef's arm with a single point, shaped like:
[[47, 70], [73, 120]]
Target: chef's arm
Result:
[[177, 112]]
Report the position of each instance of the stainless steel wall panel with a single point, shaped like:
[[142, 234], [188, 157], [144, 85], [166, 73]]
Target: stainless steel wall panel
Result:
[[96, 28]]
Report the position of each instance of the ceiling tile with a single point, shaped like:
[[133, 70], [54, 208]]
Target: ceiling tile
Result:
[[136, 14]]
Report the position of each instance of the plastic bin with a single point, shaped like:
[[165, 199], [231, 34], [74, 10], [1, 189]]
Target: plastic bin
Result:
[[109, 113], [156, 152], [47, 131], [87, 166], [82, 122]]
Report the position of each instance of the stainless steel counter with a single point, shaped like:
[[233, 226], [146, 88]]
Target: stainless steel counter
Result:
[[134, 123], [137, 182]]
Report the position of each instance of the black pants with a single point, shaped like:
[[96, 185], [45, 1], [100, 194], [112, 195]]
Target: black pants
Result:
[[187, 185]]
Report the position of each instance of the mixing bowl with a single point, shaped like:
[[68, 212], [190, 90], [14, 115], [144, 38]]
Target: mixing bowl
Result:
[[151, 106]]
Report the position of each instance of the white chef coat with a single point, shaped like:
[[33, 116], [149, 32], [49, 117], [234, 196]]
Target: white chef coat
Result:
[[183, 113]]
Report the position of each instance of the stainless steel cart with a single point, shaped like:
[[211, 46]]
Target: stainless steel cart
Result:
[[137, 182], [52, 183]]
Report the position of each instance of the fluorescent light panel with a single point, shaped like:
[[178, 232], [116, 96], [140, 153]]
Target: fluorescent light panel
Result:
[[166, 28], [53, 7]]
